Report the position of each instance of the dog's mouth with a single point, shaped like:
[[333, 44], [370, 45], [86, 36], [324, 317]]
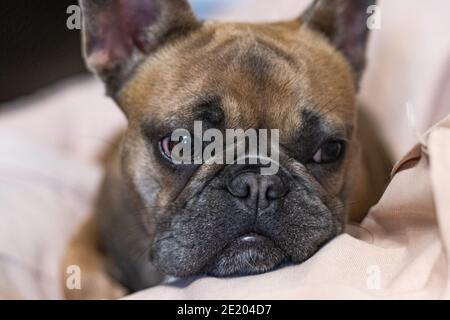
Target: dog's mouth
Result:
[[248, 254]]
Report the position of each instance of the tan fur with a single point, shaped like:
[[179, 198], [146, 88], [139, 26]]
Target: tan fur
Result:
[[85, 251]]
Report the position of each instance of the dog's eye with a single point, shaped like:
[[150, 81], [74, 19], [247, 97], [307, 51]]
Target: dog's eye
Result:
[[167, 145], [329, 152]]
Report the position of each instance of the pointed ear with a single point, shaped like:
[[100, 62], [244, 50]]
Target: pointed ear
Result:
[[119, 34], [344, 23]]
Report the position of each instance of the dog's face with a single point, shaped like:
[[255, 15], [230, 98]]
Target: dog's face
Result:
[[166, 70]]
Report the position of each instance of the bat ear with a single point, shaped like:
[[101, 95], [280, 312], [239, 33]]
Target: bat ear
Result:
[[344, 23], [119, 34]]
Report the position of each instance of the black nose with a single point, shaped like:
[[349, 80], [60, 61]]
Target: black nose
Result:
[[255, 190]]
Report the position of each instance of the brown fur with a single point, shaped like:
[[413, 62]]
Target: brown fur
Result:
[[271, 102], [264, 74]]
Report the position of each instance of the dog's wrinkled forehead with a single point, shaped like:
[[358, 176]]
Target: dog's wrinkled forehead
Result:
[[257, 76], [156, 59]]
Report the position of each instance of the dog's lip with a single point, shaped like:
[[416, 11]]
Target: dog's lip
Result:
[[251, 237], [247, 254]]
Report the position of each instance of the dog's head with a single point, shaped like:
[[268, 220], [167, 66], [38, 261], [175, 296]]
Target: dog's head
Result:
[[166, 70]]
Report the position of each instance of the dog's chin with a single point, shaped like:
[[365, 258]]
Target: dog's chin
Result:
[[247, 255]]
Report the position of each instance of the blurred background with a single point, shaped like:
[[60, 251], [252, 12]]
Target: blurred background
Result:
[[35, 41]]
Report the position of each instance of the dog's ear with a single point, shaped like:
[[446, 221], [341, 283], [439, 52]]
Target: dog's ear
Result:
[[344, 23], [119, 34]]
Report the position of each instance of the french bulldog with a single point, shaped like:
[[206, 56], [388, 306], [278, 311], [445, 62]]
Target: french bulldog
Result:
[[165, 70]]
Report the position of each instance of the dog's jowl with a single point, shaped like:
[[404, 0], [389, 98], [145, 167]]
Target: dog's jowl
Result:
[[166, 70]]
